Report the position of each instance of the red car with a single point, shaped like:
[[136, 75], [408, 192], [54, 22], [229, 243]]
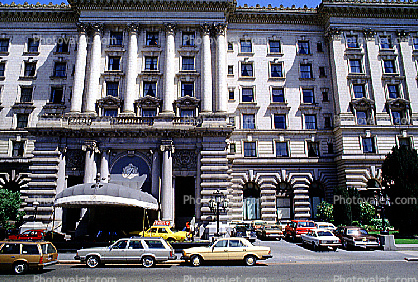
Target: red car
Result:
[[32, 235], [298, 227]]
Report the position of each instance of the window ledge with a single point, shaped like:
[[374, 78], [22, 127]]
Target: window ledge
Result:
[[277, 78], [353, 49], [61, 53], [115, 46], [308, 79], [27, 77], [31, 53], [2, 77], [274, 54], [230, 75], [152, 46], [58, 77], [246, 78], [246, 54], [4, 53], [299, 54]]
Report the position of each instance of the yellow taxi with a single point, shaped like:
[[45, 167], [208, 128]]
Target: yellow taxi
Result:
[[166, 232]]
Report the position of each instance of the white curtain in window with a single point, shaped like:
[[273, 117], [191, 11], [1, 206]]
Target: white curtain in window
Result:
[[252, 208]]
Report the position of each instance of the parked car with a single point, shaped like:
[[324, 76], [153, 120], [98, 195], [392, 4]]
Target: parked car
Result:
[[298, 227], [317, 238], [227, 249], [20, 256], [166, 232], [258, 226], [32, 235], [271, 232], [145, 250], [283, 223], [325, 225], [246, 231], [356, 237]]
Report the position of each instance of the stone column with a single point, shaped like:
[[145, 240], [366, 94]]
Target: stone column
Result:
[[80, 70], [90, 170], [61, 185], [167, 190], [104, 166], [221, 95], [169, 71], [95, 66], [198, 194], [132, 71], [206, 78], [155, 188]]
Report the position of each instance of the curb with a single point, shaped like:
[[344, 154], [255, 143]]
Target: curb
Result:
[[411, 259]]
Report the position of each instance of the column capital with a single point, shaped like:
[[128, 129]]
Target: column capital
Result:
[[82, 27], [90, 145], [206, 28], [96, 27], [369, 34], [133, 27], [402, 34], [220, 28], [169, 27], [167, 145]]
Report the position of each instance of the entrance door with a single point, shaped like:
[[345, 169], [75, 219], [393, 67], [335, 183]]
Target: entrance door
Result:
[[184, 201]]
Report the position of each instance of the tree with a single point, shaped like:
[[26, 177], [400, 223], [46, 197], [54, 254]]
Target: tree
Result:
[[9, 207], [399, 178], [325, 211], [342, 208], [355, 203], [368, 212]]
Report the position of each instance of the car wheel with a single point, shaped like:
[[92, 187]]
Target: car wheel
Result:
[[346, 246], [20, 267], [195, 260], [148, 261], [334, 249], [250, 260], [92, 261]]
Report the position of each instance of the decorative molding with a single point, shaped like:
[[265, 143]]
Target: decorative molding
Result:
[[185, 160], [74, 160], [205, 28], [133, 27]]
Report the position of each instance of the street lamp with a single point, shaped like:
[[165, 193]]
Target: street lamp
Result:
[[217, 202], [35, 205]]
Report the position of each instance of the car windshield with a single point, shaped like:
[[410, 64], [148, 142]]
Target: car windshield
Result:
[[306, 224], [275, 227], [325, 233], [356, 232]]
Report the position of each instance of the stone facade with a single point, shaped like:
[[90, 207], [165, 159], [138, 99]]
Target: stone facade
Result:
[[275, 107]]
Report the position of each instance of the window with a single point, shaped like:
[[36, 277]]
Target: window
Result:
[[230, 70], [389, 66], [276, 70], [18, 148], [368, 145], [247, 95], [277, 95], [415, 43], [114, 63], [310, 122], [322, 72], [246, 46], [385, 42], [187, 113], [10, 249], [33, 45], [60, 69], [235, 244], [313, 149], [249, 149], [110, 112], [404, 142], [248, 121], [279, 121], [26, 95], [149, 113], [308, 96], [352, 41], [327, 122], [135, 244], [232, 148], [2, 68], [4, 45], [275, 46], [281, 149], [187, 89], [30, 68], [56, 95], [359, 90], [151, 63], [221, 244], [62, 45], [393, 91], [319, 47], [325, 97], [150, 89], [251, 201], [188, 39], [306, 71], [155, 244], [246, 69], [31, 249], [362, 117], [152, 39], [355, 66], [399, 117], [230, 46], [330, 147], [116, 38], [231, 94], [303, 47], [112, 89], [22, 120], [187, 63]]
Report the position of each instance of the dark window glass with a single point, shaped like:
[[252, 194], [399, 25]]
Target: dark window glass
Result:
[[405, 142], [187, 89], [352, 41], [112, 89], [10, 249], [110, 112], [247, 95], [310, 122], [246, 69], [359, 90], [303, 47], [246, 46], [62, 45], [116, 38], [30, 249], [135, 244], [187, 63], [399, 117], [152, 38], [188, 38], [280, 121], [281, 149], [18, 149], [230, 69], [385, 42], [151, 63], [368, 145], [249, 149], [154, 244], [22, 120], [56, 95], [187, 113], [120, 244], [416, 43], [231, 95], [230, 46], [308, 96], [33, 45], [322, 72], [275, 46], [30, 69], [114, 63], [60, 69], [4, 45], [149, 113], [362, 117], [2, 68], [327, 121], [389, 66], [306, 71], [150, 89], [313, 149], [355, 66], [325, 97], [393, 90], [277, 95], [248, 121], [26, 95], [276, 70], [330, 148], [319, 47]]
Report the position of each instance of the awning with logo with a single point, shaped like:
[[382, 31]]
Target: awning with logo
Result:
[[104, 194]]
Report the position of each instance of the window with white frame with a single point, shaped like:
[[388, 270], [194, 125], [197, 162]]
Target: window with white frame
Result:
[[277, 95], [247, 95], [363, 117], [57, 94], [22, 120], [352, 41], [116, 38], [187, 89], [149, 112], [276, 70], [399, 117], [151, 63], [110, 112], [152, 38], [359, 91], [303, 47], [150, 88], [30, 69], [274, 46], [2, 68], [230, 70], [60, 69], [26, 94], [393, 91], [313, 149], [62, 45], [368, 145], [4, 45], [114, 63], [306, 71], [385, 42], [188, 38], [282, 149], [250, 149], [248, 121], [18, 148], [112, 88], [355, 66], [230, 46], [404, 142], [280, 121], [231, 94], [187, 63], [308, 96], [186, 113], [389, 66], [246, 46], [33, 45], [310, 121], [247, 70]]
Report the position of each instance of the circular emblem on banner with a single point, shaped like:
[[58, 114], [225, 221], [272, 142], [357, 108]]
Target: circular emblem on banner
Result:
[[130, 171]]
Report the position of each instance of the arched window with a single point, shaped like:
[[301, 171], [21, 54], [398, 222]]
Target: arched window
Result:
[[316, 196], [284, 201], [251, 201]]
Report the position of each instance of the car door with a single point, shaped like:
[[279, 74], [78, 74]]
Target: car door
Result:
[[9, 253], [134, 251], [219, 251], [236, 249], [116, 252], [163, 233]]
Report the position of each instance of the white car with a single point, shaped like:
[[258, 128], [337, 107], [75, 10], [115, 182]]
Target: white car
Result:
[[325, 225], [317, 238]]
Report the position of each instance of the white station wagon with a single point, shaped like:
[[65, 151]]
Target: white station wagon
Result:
[[317, 238]]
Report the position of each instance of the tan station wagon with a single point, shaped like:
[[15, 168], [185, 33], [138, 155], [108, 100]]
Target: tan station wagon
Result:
[[20, 256], [227, 249]]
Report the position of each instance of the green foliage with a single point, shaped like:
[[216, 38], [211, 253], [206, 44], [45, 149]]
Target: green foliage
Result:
[[9, 207], [377, 223], [399, 178], [356, 211], [368, 212], [325, 212], [342, 210]]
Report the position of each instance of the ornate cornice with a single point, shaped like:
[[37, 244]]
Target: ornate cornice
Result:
[[275, 16], [37, 13]]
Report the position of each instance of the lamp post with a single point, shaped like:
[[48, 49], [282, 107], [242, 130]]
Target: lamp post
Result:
[[35, 205], [217, 202]]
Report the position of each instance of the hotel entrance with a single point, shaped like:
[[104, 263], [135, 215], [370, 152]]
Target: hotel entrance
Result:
[[184, 201]]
